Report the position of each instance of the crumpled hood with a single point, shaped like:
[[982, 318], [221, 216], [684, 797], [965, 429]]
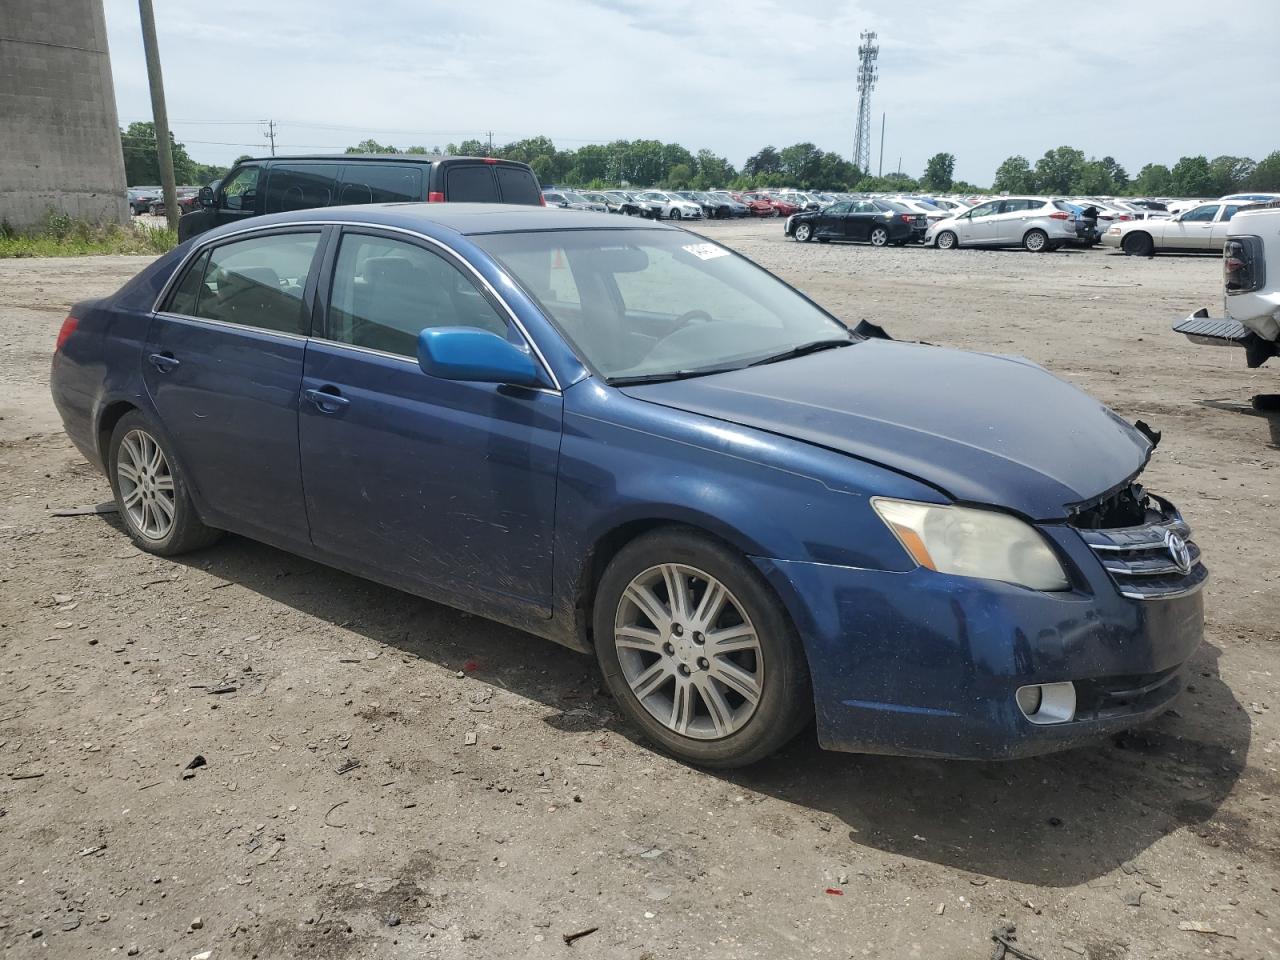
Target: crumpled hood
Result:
[[984, 429]]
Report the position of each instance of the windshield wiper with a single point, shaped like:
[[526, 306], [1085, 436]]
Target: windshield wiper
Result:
[[813, 346], [665, 377]]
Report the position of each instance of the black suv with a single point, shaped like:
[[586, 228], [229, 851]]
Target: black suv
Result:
[[274, 184]]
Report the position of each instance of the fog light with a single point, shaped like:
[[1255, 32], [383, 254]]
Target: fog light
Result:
[[1045, 703]]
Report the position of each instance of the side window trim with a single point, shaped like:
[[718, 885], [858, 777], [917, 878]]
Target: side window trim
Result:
[[205, 250]]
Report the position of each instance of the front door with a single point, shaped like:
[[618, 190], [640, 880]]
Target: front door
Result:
[[239, 196], [1194, 229], [447, 483], [830, 222], [223, 363], [978, 226]]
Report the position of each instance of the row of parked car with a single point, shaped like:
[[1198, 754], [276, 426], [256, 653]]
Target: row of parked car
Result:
[[151, 200]]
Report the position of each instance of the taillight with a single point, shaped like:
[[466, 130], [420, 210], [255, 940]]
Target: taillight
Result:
[[542, 199], [68, 328], [1124, 216], [435, 196], [490, 159], [906, 218], [1243, 268], [1060, 215]]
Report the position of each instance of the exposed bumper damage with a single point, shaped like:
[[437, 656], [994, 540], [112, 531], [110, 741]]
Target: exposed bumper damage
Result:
[[1224, 332]]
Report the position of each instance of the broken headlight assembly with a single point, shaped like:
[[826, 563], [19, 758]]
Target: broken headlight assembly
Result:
[[973, 543]]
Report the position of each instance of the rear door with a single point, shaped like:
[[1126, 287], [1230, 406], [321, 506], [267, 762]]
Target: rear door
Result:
[[446, 483], [470, 183], [857, 222], [1218, 233], [223, 364], [1010, 223]]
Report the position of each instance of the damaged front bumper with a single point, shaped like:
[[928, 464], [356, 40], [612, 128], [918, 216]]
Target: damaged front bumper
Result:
[[927, 664], [1225, 332]]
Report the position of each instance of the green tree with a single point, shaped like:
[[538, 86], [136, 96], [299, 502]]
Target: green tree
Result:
[[1094, 179], [1230, 174], [1014, 176], [1153, 180], [766, 161], [416, 150], [801, 164], [713, 171], [1266, 175], [891, 183], [678, 177], [372, 146], [1058, 169], [939, 172], [1119, 176], [142, 164], [1192, 177]]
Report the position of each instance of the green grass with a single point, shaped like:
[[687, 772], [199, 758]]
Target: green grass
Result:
[[62, 236]]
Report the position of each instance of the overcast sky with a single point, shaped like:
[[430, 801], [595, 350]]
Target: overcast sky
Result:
[[1140, 80]]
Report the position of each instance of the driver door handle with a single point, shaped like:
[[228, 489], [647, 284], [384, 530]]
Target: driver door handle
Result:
[[164, 362], [327, 400]]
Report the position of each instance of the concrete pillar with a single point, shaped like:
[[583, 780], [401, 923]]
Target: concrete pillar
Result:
[[59, 137]]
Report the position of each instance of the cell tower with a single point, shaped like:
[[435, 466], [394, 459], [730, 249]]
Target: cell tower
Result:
[[868, 50]]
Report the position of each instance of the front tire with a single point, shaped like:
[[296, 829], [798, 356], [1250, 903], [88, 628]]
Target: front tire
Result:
[[946, 240], [151, 491], [698, 651], [1035, 241], [674, 215], [803, 232], [879, 236], [1138, 244]]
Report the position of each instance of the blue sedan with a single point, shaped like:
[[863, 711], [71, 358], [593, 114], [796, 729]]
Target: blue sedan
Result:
[[630, 440]]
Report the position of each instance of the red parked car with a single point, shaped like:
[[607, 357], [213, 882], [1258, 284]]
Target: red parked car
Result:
[[784, 206], [759, 205]]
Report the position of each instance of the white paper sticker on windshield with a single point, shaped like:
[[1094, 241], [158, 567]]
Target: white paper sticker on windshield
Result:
[[705, 251]]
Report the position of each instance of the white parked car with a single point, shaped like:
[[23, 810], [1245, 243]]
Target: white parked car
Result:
[[1201, 228], [1033, 223], [672, 207]]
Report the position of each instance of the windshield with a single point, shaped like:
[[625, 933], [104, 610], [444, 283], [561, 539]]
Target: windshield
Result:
[[574, 197], [658, 303]]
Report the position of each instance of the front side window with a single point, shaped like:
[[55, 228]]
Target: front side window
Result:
[[385, 292], [1201, 214], [241, 191], [257, 282], [985, 209], [658, 303]]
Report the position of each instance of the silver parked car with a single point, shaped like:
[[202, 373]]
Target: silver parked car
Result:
[[1033, 223], [1203, 228]]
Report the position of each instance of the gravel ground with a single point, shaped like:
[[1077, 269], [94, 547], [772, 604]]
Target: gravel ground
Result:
[[385, 777]]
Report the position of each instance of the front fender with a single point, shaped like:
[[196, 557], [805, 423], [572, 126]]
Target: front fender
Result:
[[624, 461]]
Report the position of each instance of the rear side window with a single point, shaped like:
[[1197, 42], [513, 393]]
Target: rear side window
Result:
[[301, 186], [472, 183], [518, 185], [256, 282], [184, 297], [380, 183]]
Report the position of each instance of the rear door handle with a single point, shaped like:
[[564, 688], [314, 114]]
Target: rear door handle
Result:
[[164, 362], [327, 401]]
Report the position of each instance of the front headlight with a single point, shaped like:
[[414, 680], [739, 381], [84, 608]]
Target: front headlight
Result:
[[973, 543]]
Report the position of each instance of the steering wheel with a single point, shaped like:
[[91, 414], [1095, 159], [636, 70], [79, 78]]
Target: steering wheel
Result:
[[689, 316]]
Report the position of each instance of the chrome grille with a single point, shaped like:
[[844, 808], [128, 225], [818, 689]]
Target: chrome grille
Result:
[[1156, 560]]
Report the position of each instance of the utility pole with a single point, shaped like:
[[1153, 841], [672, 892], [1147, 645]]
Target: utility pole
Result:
[[490, 151], [159, 114], [880, 171], [271, 135]]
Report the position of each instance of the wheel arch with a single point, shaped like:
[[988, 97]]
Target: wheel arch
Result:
[[111, 414]]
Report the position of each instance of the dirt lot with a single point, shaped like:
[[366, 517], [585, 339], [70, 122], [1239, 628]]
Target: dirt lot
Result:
[[557, 820]]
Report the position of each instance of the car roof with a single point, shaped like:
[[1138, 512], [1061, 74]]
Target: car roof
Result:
[[463, 218], [396, 157]]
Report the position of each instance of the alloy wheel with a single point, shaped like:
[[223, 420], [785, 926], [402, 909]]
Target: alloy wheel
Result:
[[879, 237], [803, 232], [146, 485], [689, 652]]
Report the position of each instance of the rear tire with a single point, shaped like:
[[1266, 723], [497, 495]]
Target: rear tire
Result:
[[879, 236], [946, 240], [722, 727], [151, 490], [1035, 241], [1138, 244]]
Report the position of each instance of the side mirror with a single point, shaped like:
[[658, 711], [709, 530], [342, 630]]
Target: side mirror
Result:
[[206, 196], [476, 356]]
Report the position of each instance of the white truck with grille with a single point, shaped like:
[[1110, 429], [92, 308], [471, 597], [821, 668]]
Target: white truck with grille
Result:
[[1251, 277]]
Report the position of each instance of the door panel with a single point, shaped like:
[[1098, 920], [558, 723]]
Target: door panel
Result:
[[447, 483], [225, 379]]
